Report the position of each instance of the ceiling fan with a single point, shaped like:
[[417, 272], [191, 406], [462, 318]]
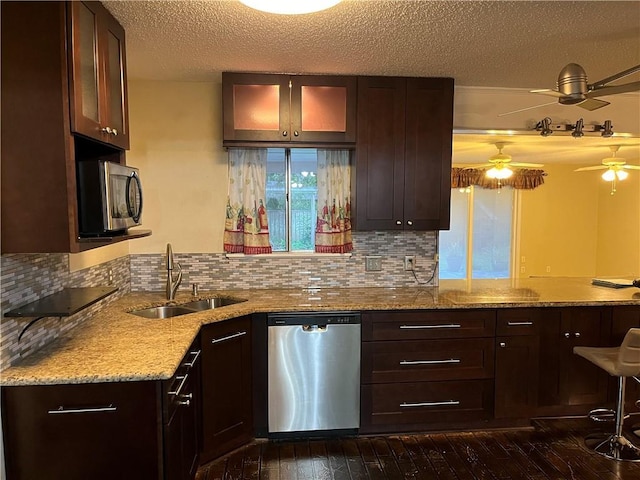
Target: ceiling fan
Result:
[[500, 163], [573, 88], [614, 168]]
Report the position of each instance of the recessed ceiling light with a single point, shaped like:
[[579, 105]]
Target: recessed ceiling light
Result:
[[290, 7]]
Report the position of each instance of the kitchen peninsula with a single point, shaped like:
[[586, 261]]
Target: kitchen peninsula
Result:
[[511, 350]]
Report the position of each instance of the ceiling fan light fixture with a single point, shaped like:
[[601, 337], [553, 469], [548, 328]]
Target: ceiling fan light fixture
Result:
[[621, 174], [290, 7], [609, 175], [499, 172]]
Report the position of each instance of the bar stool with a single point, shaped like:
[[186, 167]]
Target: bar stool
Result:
[[621, 362]]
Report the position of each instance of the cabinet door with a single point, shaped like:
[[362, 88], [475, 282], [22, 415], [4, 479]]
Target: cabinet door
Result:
[[227, 417], [427, 177], [98, 75], [255, 107], [516, 376], [569, 384], [96, 431], [380, 150], [323, 109]]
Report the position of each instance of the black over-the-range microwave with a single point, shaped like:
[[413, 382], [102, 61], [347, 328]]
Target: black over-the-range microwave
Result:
[[109, 197]]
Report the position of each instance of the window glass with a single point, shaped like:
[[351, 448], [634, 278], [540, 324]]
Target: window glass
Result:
[[490, 222], [292, 198], [453, 242], [492, 214]]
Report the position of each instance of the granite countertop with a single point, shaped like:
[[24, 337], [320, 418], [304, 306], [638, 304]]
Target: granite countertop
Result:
[[115, 345]]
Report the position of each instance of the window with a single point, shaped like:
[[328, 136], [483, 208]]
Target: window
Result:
[[292, 198], [481, 230]]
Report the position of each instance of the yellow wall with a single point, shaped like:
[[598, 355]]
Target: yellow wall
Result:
[[574, 226], [176, 142], [618, 227]]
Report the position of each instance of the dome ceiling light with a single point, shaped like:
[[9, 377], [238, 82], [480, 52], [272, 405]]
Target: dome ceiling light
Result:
[[290, 7]]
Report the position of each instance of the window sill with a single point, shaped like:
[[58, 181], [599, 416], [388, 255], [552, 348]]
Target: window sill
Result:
[[237, 256]]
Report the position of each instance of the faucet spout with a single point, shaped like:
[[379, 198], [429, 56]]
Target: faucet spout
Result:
[[172, 283]]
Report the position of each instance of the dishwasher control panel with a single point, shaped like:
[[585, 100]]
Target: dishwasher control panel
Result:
[[313, 318]]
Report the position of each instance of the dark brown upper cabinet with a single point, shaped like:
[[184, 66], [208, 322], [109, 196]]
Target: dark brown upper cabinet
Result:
[[40, 142], [98, 87], [402, 176], [288, 108]]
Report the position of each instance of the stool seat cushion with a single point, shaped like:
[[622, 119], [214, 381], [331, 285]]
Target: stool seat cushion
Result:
[[608, 358]]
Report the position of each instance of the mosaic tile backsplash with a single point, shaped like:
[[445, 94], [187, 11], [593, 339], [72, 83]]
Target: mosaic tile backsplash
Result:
[[28, 277], [213, 271]]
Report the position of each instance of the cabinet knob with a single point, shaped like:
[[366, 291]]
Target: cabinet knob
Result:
[[502, 344], [398, 222], [114, 132], [285, 133], [577, 334], [409, 222], [296, 133], [107, 130], [567, 335]]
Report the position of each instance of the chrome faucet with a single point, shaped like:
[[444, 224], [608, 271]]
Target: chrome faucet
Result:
[[172, 285]]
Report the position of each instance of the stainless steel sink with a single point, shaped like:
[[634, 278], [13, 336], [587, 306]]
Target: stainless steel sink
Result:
[[166, 311], [209, 303]]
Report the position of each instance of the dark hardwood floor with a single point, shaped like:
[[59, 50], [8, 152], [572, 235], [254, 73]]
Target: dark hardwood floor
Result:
[[553, 449]]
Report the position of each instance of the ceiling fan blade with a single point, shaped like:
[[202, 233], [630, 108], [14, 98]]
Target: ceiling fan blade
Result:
[[631, 167], [551, 93], [615, 77], [526, 165], [597, 167], [592, 104], [614, 89], [479, 165], [527, 108]]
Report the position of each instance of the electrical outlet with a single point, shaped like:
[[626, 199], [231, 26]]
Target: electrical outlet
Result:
[[372, 263], [409, 262]]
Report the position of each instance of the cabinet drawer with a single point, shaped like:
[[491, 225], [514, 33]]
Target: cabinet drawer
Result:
[[518, 321], [428, 324], [427, 360], [426, 402]]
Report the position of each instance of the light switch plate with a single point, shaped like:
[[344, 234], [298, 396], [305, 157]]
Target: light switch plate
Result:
[[373, 263]]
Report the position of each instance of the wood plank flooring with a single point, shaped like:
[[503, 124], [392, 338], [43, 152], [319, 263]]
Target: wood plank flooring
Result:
[[553, 449]]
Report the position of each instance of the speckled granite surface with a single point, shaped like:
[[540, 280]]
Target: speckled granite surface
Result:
[[115, 345]]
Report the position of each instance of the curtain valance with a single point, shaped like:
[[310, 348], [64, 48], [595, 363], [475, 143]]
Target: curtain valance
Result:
[[522, 178]]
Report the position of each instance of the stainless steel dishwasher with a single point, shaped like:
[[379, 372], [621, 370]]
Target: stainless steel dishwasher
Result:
[[314, 372]]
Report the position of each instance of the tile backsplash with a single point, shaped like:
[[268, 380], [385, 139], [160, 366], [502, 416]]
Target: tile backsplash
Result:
[[29, 277], [214, 271]]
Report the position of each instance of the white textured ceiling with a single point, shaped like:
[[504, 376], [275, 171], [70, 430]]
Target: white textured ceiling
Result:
[[515, 44]]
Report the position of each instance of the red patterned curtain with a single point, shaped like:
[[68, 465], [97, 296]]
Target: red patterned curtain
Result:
[[333, 223], [246, 228]]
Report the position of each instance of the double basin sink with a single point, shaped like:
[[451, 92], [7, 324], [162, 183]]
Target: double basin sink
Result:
[[168, 311]]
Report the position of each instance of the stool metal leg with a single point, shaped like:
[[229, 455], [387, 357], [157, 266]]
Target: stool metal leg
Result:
[[615, 446]]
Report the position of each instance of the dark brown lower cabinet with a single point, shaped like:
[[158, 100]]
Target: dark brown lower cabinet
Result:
[[227, 416], [120, 430], [182, 419], [569, 384], [100, 431], [517, 358]]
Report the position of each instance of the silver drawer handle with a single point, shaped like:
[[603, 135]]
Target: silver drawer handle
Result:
[[192, 362], [518, 324], [183, 380], [228, 337], [61, 409], [184, 402], [429, 362], [449, 325], [430, 404]]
